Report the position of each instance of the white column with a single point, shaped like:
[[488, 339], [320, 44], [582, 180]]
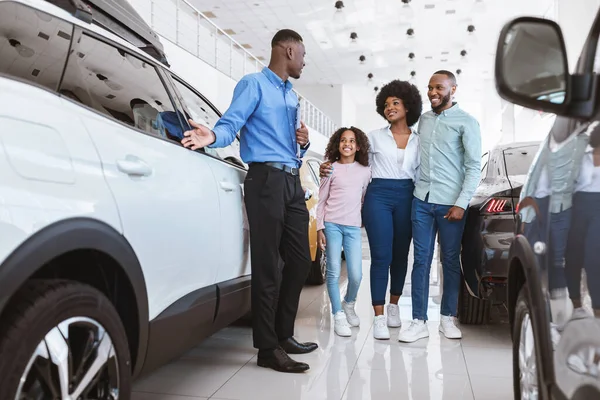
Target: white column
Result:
[[508, 123]]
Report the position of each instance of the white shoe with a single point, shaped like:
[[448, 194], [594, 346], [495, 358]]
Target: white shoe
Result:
[[380, 329], [341, 327], [449, 329], [351, 316], [417, 330], [393, 316]]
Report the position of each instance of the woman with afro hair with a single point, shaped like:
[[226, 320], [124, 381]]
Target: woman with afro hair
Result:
[[394, 161]]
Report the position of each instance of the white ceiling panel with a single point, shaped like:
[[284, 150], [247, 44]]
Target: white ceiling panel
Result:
[[440, 34]]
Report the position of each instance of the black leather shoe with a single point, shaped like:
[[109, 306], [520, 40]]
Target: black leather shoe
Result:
[[291, 346], [280, 361]]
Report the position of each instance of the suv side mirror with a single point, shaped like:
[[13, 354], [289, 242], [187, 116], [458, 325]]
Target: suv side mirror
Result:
[[531, 65]]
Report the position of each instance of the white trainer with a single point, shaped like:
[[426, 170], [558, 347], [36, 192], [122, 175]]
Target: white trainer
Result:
[[341, 327], [393, 316], [351, 316], [449, 329], [417, 330], [380, 329]]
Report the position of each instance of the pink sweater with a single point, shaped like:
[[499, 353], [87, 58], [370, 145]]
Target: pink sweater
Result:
[[341, 195]]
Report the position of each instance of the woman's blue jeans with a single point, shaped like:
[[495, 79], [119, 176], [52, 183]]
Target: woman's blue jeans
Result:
[[350, 238], [386, 216]]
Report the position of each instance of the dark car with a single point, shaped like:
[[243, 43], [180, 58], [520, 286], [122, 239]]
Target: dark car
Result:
[[489, 229], [553, 287]]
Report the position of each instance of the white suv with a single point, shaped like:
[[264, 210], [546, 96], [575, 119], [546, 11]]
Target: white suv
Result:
[[119, 248]]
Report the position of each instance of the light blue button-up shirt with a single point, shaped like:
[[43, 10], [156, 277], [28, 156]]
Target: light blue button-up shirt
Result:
[[450, 157], [264, 107]]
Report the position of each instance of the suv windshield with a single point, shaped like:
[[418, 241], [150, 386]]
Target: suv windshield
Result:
[[519, 159]]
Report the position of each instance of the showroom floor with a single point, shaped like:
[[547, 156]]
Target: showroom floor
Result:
[[224, 366]]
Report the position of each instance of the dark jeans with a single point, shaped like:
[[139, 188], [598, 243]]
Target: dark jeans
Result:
[[278, 221], [584, 236], [386, 216], [427, 220]]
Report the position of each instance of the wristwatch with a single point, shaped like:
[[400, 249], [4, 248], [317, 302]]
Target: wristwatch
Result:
[[306, 146]]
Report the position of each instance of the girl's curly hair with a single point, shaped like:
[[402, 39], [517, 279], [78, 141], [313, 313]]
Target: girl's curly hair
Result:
[[405, 91], [332, 152]]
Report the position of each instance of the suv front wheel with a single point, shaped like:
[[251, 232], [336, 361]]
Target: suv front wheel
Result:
[[65, 340]]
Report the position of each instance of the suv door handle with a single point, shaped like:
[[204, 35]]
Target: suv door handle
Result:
[[134, 166], [226, 186]]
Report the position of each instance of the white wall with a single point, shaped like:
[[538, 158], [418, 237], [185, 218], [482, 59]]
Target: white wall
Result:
[[575, 18]]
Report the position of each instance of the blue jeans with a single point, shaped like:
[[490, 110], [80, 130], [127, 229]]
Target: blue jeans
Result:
[[427, 220], [386, 215], [350, 238], [581, 249]]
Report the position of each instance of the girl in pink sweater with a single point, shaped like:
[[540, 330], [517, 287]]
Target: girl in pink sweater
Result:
[[339, 219]]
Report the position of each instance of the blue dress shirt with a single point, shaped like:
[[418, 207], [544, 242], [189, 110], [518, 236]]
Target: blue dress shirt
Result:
[[450, 157], [264, 107]]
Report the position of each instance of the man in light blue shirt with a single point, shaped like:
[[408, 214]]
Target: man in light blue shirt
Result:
[[264, 110], [448, 176]]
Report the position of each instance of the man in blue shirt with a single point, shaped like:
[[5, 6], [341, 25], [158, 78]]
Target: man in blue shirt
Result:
[[448, 176], [265, 108]]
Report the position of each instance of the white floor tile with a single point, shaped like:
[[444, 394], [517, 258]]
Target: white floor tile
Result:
[[224, 366]]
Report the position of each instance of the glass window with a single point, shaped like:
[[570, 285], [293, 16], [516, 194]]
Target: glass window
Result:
[[314, 168], [519, 159], [33, 45], [484, 163], [118, 85], [199, 110]]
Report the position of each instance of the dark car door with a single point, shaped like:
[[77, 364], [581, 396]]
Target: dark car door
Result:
[[554, 278]]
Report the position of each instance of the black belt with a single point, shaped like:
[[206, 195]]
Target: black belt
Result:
[[282, 167]]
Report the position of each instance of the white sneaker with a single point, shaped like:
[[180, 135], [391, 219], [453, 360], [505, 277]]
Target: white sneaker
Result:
[[393, 316], [449, 329], [417, 330], [380, 329], [351, 316], [341, 327]]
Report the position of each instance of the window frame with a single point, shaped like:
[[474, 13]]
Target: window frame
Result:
[[314, 174], [177, 79], [68, 55], [78, 33]]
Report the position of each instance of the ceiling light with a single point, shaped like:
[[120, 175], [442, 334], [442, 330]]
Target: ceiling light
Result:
[[23, 51], [406, 1], [463, 53], [410, 32], [353, 37], [377, 88], [411, 56], [458, 71], [339, 5], [362, 59], [413, 73], [471, 28], [338, 17], [370, 76]]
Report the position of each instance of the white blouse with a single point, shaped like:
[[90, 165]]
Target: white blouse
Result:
[[589, 174], [389, 162]]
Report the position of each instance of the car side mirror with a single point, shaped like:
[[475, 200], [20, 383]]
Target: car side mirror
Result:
[[531, 65]]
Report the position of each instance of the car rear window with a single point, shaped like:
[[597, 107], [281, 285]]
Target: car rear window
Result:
[[519, 159], [33, 44]]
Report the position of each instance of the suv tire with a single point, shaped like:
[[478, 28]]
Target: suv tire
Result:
[[522, 328], [52, 319], [472, 310]]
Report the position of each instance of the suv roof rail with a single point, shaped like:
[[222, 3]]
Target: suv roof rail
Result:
[[119, 17]]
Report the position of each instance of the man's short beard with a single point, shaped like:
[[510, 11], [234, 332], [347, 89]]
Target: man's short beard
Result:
[[445, 101]]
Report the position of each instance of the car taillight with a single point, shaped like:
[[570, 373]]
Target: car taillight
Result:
[[498, 205]]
